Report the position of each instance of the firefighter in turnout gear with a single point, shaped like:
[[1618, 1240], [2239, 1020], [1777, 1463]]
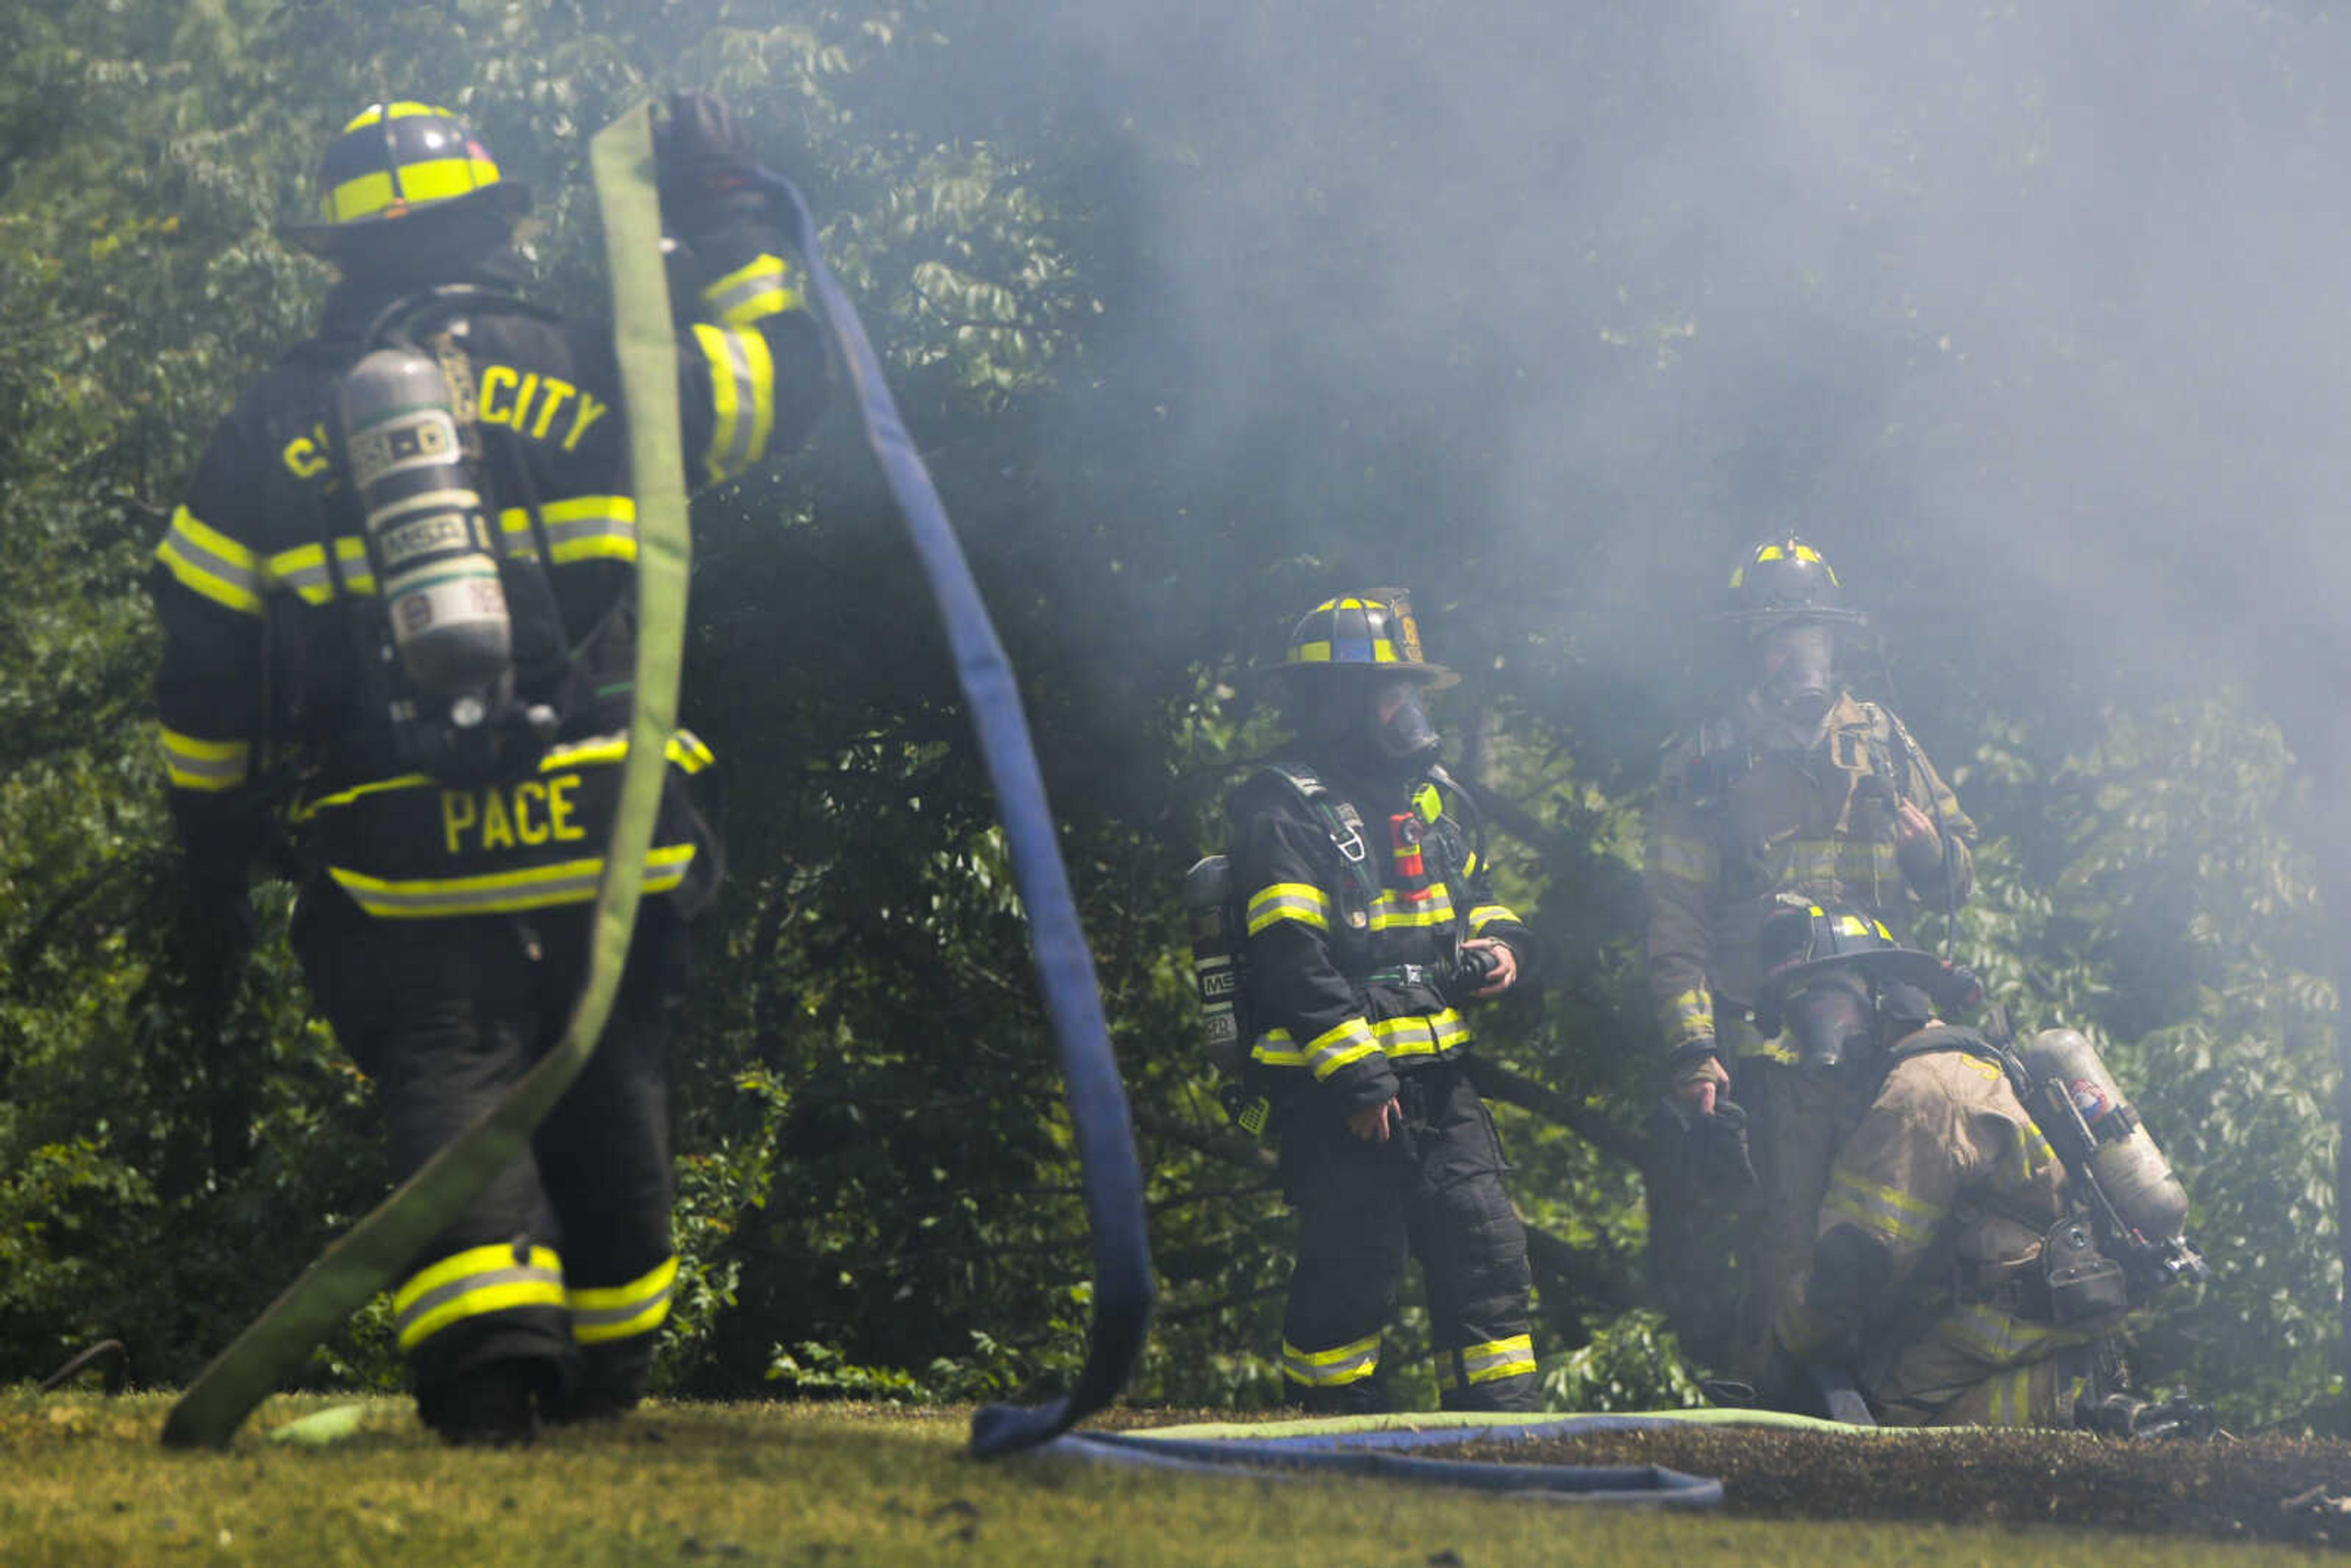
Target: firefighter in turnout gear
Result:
[[399, 644], [1370, 925], [1960, 1274], [1801, 788]]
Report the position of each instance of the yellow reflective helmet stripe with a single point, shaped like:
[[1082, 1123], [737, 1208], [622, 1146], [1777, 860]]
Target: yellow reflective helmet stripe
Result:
[[433, 180], [209, 562], [471, 1284], [622, 1312], [205, 766], [377, 113]]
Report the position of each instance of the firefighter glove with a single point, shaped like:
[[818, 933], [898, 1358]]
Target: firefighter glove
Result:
[[705, 167]]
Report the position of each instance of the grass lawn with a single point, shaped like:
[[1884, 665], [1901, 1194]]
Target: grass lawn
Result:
[[85, 1481]]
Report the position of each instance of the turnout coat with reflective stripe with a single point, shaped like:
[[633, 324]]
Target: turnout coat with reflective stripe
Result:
[[1737, 820], [1949, 1183], [257, 574], [1337, 980]]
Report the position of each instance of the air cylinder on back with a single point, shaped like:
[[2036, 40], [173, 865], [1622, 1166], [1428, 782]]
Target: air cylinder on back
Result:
[[2133, 1171], [435, 560], [1217, 960]]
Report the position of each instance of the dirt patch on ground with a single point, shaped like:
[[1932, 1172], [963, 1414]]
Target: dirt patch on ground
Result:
[[2273, 1489]]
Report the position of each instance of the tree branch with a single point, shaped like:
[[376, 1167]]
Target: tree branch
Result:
[[1497, 1082]]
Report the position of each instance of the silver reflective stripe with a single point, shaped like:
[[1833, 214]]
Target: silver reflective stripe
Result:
[[738, 455], [486, 1278], [598, 1317]]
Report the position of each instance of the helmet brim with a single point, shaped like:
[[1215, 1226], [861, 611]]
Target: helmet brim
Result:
[[1758, 619], [1273, 679], [1905, 965], [319, 238]]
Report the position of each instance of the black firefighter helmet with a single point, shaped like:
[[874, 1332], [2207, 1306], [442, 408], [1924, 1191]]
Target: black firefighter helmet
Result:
[[396, 161], [1782, 580], [1831, 972], [1351, 675]]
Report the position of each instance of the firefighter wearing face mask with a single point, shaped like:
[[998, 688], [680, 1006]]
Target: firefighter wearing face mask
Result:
[[1961, 1273], [1371, 924], [1800, 789]]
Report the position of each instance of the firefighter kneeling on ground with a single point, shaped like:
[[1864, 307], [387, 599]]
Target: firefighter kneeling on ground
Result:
[[1370, 920], [398, 618], [1989, 1224]]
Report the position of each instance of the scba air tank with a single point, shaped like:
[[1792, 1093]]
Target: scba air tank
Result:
[[429, 544], [2133, 1171], [1217, 960]]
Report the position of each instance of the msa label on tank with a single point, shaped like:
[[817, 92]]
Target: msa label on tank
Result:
[[404, 542], [415, 439]]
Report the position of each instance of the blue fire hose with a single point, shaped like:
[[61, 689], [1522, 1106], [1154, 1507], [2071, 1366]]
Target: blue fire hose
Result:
[[1065, 970]]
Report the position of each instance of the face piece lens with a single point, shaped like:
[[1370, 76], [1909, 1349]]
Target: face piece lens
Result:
[[1795, 665], [1829, 1020], [1404, 732]]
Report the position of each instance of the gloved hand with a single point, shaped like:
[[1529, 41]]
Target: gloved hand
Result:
[[703, 164], [1712, 1147]]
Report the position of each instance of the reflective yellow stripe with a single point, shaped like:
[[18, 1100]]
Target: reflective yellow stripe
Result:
[[302, 570], [208, 766], [1331, 1368], [760, 289], [433, 180], [1383, 652], [377, 113], [1881, 1210], [2012, 1398], [1433, 1034], [1686, 859], [578, 527], [1485, 914], [1277, 1048], [1390, 913], [209, 562], [619, 1311], [1336, 1048], [743, 397], [470, 1283], [1986, 1331], [686, 752], [1494, 1360], [502, 892], [1298, 900]]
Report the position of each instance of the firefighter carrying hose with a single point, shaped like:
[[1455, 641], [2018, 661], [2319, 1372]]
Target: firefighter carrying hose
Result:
[[1370, 923], [1990, 1222], [1800, 789], [399, 642]]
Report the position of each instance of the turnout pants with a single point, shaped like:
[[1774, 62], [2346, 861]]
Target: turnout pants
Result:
[[564, 1259], [1797, 1119], [1434, 1192]]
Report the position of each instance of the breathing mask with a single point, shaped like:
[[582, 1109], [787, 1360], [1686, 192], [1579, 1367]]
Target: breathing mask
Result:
[[1831, 1020], [1797, 671], [1401, 727]]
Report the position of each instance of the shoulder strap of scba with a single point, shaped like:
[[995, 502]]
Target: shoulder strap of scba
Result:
[[375, 1252], [1340, 820], [1123, 1287]]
